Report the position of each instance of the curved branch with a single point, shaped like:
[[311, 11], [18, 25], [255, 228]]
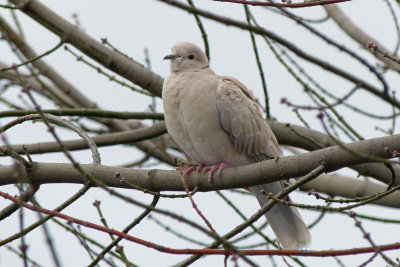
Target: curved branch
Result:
[[207, 251], [358, 35], [289, 5], [287, 134], [262, 31], [87, 112], [124, 137], [53, 93], [337, 185], [68, 89], [258, 173], [69, 33], [308, 139], [145, 78]]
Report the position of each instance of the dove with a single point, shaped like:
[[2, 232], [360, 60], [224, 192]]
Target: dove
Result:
[[216, 122]]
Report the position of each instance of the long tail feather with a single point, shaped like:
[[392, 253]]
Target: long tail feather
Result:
[[285, 221]]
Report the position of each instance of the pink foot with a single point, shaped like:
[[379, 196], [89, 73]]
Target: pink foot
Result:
[[201, 167], [211, 169], [188, 170]]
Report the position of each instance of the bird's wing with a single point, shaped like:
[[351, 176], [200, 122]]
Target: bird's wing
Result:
[[241, 118]]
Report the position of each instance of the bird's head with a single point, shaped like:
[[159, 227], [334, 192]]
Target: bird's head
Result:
[[186, 56]]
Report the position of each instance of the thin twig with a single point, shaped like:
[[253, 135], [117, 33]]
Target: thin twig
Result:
[[126, 230], [309, 253], [281, 5]]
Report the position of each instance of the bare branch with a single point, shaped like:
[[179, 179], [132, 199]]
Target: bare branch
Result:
[[290, 5], [102, 54], [69, 33], [258, 173], [124, 137], [54, 93], [299, 52], [208, 251], [87, 112], [337, 185], [357, 34], [287, 134], [44, 68]]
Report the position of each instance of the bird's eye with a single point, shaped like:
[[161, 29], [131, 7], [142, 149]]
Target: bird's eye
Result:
[[191, 56]]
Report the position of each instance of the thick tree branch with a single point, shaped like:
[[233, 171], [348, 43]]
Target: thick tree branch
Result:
[[337, 185], [163, 180], [71, 34], [358, 35], [53, 93], [87, 112], [287, 134], [308, 139], [66, 87], [292, 47], [145, 78], [124, 137]]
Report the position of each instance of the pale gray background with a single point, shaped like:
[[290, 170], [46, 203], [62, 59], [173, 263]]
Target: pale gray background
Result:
[[135, 25]]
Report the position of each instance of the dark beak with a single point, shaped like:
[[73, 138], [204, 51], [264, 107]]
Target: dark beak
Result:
[[172, 56]]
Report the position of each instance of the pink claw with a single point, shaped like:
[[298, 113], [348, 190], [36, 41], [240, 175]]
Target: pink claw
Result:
[[189, 170], [213, 168], [201, 167]]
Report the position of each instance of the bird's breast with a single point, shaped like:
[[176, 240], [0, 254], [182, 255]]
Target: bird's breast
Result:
[[192, 118]]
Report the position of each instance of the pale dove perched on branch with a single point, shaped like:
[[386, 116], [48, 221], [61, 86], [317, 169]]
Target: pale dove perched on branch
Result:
[[215, 120]]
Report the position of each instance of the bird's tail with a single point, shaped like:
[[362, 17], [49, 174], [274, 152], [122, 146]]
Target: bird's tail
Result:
[[285, 221]]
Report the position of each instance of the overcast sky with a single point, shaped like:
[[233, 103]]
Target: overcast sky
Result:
[[132, 27]]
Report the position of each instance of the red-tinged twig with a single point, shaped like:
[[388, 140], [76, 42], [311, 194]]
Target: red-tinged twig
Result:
[[33, 226], [290, 5], [310, 253], [342, 252], [284, 258], [227, 246], [115, 242], [370, 259], [305, 253], [367, 236], [26, 196], [19, 175], [206, 221]]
